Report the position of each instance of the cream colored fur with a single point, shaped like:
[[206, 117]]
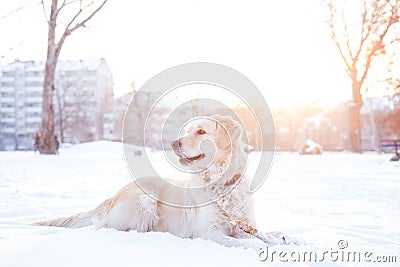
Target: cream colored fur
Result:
[[132, 209]]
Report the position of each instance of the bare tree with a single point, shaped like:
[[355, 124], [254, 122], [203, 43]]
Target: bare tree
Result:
[[71, 108], [84, 12], [362, 31], [136, 118]]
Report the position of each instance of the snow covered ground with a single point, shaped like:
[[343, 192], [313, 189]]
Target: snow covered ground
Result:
[[331, 201]]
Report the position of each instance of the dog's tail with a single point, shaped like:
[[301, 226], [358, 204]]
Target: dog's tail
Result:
[[75, 221]]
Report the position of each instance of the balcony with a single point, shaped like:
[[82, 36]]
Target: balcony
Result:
[[7, 130], [38, 77], [33, 109], [33, 99], [36, 88], [7, 120], [6, 78], [34, 119], [7, 89], [7, 99], [7, 109]]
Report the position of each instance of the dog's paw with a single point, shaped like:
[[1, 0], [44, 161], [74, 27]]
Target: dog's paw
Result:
[[293, 240], [285, 239]]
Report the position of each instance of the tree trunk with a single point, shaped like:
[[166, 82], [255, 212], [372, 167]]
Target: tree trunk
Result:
[[374, 135], [60, 107], [355, 118], [355, 128], [61, 130], [47, 137], [47, 145]]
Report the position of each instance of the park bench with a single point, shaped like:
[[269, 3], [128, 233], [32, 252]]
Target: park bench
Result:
[[391, 146]]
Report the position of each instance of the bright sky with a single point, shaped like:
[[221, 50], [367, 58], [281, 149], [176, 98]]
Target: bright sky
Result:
[[282, 46]]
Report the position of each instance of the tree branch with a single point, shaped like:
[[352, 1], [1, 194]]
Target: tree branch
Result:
[[44, 11], [346, 32], [332, 13], [17, 10], [377, 17], [82, 23], [379, 46], [66, 3], [70, 29], [11, 12], [365, 30]]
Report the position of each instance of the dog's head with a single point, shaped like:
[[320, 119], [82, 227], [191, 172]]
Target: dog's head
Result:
[[225, 133]]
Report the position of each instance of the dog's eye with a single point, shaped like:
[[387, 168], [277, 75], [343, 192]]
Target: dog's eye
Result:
[[200, 131]]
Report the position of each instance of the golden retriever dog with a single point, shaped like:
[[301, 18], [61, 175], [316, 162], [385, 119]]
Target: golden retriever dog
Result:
[[220, 179]]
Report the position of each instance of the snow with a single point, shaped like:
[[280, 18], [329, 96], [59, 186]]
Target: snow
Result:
[[319, 199], [90, 64]]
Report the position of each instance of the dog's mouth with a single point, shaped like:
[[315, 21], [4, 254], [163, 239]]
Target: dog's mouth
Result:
[[182, 155], [186, 160]]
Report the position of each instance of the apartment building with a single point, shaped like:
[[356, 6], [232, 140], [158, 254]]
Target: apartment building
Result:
[[83, 89]]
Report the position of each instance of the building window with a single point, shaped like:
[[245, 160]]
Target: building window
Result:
[[91, 73], [7, 94], [34, 100], [7, 115], [7, 135], [8, 73], [89, 82], [7, 84], [33, 104], [35, 83], [33, 94], [92, 103], [32, 125], [33, 114], [71, 73], [34, 73], [88, 91], [7, 105], [7, 125]]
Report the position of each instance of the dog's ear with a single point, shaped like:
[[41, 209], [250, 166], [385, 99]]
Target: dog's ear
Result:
[[233, 129]]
